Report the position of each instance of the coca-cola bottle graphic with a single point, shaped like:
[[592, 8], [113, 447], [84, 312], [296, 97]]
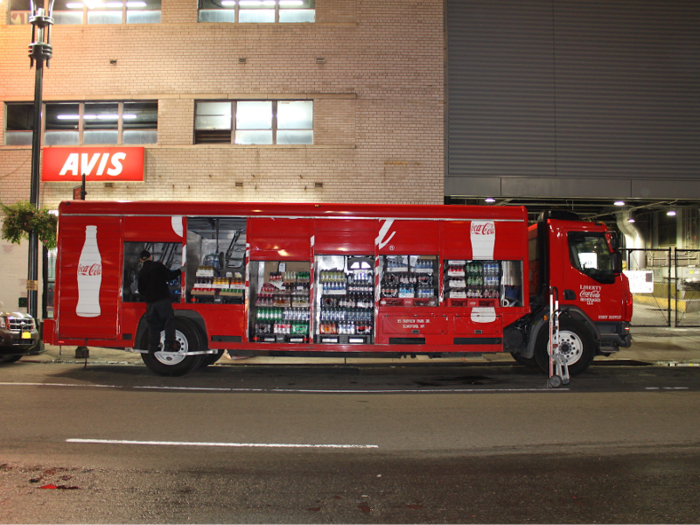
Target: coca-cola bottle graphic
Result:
[[483, 237], [89, 276]]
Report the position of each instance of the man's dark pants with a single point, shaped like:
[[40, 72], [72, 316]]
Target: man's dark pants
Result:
[[160, 316]]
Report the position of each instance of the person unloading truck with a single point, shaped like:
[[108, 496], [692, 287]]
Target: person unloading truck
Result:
[[153, 286]]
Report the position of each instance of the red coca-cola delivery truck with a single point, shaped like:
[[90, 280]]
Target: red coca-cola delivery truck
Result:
[[340, 280]]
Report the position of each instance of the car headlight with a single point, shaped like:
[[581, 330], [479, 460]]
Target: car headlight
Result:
[[3, 323]]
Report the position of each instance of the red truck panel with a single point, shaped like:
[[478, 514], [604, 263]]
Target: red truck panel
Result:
[[280, 239], [414, 324], [103, 279], [154, 229], [345, 236], [409, 237]]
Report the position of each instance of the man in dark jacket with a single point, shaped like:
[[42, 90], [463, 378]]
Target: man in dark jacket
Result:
[[153, 286]]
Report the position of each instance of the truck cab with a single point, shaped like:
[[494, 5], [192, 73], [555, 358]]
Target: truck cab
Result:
[[580, 264]]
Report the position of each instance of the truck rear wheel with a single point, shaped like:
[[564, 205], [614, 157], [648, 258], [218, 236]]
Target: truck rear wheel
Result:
[[178, 363], [577, 345]]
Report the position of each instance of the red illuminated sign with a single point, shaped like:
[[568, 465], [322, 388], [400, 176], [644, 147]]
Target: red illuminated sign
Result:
[[98, 164]]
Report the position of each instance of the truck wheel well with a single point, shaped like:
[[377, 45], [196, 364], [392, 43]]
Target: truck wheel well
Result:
[[191, 316], [573, 314]]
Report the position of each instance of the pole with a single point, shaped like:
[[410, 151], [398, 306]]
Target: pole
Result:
[[40, 51], [33, 268]]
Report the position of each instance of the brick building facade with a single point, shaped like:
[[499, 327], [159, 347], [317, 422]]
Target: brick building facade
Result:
[[374, 71]]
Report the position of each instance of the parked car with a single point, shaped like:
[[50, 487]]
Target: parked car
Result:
[[18, 336]]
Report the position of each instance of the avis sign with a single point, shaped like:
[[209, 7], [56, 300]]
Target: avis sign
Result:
[[98, 164]]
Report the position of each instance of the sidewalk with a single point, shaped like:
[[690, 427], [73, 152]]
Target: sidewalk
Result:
[[658, 346]]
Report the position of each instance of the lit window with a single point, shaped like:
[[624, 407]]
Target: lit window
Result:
[[66, 12], [101, 123], [62, 125], [257, 11], [254, 122], [295, 121], [140, 123], [85, 123], [249, 122]]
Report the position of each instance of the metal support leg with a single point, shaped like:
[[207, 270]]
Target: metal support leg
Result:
[[558, 367]]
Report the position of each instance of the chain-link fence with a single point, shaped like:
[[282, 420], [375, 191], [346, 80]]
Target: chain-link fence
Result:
[[687, 273], [649, 271], [665, 286]]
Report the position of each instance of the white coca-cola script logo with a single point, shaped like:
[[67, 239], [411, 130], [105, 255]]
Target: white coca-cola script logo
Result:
[[483, 237], [590, 294], [484, 228], [90, 269]]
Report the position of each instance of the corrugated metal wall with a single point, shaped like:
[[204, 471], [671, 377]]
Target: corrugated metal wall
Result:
[[573, 98]]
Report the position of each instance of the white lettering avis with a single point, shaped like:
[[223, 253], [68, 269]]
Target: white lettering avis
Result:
[[78, 163]]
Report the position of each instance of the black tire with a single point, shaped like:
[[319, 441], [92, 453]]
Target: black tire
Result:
[[576, 343], [177, 363], [210, 359], [529, 362], [11, 358]]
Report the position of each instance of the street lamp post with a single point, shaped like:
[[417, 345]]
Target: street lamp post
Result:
[[40, 52]]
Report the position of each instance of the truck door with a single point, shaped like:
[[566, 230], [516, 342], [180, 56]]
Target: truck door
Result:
[[583, 271], [88, 282]]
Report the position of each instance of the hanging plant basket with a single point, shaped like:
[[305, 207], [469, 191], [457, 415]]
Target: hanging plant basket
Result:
[[22, 218]]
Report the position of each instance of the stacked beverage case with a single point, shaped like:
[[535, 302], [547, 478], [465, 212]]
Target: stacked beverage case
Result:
[[409, 281], [346, 304], [282, 308], [209, 287], [344, 295], [472, 280]]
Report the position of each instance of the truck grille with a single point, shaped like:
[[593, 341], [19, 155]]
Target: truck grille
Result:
[[19, 325]]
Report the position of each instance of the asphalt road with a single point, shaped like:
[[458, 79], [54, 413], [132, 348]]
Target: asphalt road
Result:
[[438, 444]]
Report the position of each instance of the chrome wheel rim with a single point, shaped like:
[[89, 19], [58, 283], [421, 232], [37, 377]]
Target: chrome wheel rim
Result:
[[570, 346], [172, 358]]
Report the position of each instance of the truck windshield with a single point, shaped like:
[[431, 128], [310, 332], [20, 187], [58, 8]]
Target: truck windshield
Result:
[[590, 254]]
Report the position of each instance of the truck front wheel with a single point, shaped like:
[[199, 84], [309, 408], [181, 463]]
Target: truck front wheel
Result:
[[177, 363], [576, 344]]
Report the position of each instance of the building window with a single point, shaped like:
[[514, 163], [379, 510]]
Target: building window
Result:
[[85, 123], [248, 122], [20, 119], [257, 11], [106, 12], [62, 124]]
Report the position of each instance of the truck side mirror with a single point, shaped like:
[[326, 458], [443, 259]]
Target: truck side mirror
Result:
[[614, 242]]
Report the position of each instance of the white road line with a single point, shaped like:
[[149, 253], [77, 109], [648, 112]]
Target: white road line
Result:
[[208, 444], [666, 388], [59, 384], [300, 390], [354, 391]]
